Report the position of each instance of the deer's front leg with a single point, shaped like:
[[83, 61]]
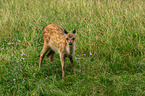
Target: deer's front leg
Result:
[[62, 59], [72, 63]]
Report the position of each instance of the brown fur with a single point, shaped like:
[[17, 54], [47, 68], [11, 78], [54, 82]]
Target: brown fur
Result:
[[57, 40]]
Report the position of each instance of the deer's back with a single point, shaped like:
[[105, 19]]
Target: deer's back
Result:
[[54, 36], [52, 29]]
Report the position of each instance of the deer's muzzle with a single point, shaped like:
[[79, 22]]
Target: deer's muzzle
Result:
[[70, 43]]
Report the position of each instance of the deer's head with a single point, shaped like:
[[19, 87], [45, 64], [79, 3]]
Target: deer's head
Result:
[[70, 37]]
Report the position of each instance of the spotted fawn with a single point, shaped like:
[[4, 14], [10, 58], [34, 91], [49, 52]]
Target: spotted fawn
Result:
[[58, 40]]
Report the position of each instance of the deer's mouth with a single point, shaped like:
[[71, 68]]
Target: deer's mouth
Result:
[[70, 45]]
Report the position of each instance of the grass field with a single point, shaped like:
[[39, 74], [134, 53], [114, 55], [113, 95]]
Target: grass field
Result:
[[109, 56]]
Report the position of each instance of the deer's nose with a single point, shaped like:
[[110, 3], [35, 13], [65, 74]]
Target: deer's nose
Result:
[[70, 43]]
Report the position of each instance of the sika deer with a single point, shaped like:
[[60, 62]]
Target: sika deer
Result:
[[58, 40]]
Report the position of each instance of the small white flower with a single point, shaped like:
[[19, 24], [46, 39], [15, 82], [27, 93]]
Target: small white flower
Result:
[[22, 58], [9, 43], [19, 41], [90, 53], [22, 54]]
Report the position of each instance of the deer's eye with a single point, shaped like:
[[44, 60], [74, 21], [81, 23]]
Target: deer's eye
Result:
[[66, 38], [73, 38]]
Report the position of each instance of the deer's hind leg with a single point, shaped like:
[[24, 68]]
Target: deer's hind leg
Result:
[[50, 55], [43, 52]]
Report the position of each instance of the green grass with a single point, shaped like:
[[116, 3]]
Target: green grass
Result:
[[112, 30]]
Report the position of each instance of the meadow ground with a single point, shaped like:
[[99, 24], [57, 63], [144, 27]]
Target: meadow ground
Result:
[[110, 47]]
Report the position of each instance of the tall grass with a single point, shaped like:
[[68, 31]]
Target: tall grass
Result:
[[113, 31]]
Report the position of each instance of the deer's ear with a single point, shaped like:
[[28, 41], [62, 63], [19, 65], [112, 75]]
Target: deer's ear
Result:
[[74, 32], [65, 32]]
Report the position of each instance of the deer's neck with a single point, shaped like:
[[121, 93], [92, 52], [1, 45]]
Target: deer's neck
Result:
[[70, 49]]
